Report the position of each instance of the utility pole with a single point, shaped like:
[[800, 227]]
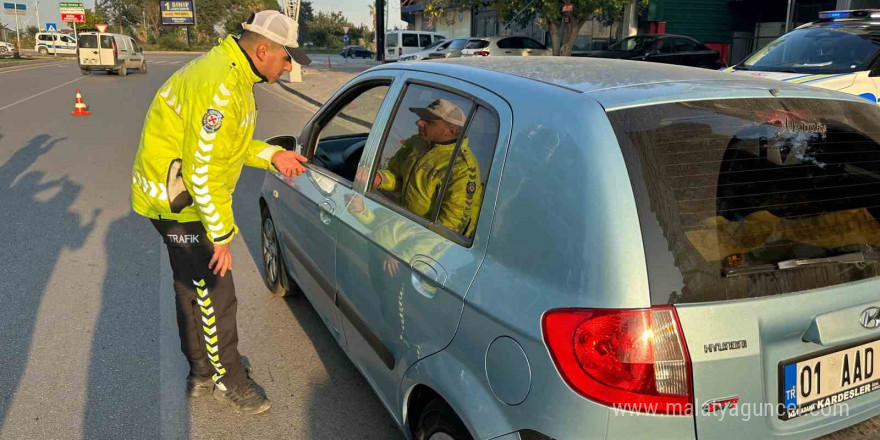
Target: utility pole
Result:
[[788, 13], [291, 9], [17, 32], [37, 9], [380, 30]]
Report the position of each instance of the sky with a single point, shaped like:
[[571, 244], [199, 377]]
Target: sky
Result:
[[357, 11]]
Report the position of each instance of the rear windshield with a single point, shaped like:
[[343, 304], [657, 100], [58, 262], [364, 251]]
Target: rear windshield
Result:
[[510, 43], [477, 44], [391, 40], [106, 42], [88, 41], [752, 198]]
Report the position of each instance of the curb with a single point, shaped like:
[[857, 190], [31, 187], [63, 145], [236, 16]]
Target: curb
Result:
[[33, 63]]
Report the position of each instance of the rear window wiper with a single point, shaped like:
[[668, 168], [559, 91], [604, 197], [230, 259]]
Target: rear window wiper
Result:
[[857, 258]]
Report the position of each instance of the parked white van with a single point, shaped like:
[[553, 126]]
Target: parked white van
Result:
[[110, 52], [46, 43], [399, 43]]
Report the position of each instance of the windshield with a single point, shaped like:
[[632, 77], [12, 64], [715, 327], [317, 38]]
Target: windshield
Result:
[[434, 45], [476, 44], [818, 50], [632, 43], [88, 41], [746, 198]]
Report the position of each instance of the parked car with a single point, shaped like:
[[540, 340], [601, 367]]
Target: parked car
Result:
[[661, 48], [606, 249], [6, 48], [46, 43], [441, 49], [400, 43], [356, 52], [110, 52], [505, 47], [840, 51]]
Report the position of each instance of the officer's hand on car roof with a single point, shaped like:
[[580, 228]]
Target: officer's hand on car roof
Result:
[[289, 163]]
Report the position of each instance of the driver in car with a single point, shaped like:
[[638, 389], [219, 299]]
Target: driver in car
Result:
[[417, 172]]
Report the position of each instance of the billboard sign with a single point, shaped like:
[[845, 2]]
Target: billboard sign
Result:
[[178, 12]]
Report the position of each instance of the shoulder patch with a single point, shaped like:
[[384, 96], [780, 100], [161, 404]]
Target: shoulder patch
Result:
[[212, 120]]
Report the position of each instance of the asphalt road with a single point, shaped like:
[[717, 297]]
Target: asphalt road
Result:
[[87, 328]]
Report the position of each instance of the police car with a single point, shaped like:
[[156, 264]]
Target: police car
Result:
[[840, 51]]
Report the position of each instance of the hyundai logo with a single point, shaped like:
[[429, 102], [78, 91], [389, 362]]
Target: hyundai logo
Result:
[[871, 318]]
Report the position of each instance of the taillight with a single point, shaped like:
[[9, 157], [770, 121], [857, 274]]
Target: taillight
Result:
[[632, 359], [115, 51], [482, 53], [399, 51]]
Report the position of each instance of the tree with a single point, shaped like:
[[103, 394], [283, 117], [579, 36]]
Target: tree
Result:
[[326, 29], [549, 14], [306, 15], [240, 10]]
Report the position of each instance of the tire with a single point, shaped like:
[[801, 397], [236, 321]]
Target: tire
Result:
[[274, 270], [123, 70], [85, 71], [3, 50], [43, 51], [439, 422], [143, 67]]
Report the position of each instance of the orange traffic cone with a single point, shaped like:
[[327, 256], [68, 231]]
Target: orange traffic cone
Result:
[[79, 107]]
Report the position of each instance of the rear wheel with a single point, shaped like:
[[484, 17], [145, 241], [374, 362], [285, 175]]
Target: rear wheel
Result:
[[143, 67], [85, 71], [439, 422], [123, 70], [3, 50], [43, 51], [274, 272]]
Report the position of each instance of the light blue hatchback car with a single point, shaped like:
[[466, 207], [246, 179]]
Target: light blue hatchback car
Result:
[[590, 249]]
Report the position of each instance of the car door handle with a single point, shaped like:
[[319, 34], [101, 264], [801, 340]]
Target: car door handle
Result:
[[327, 208], [427, 275]]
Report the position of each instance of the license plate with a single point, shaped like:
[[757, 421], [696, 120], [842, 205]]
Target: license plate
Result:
[[812, 384]]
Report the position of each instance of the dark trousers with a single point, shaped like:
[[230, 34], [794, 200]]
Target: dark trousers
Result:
[[206, 304]]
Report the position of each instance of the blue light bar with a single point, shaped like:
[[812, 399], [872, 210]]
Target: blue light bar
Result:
[[835, 14]]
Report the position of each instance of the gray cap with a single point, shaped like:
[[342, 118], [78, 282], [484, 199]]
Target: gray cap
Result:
[[279, 28], [441, 109]]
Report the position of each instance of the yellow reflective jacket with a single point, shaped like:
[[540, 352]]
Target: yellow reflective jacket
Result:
[[197, 136], [417, 172]]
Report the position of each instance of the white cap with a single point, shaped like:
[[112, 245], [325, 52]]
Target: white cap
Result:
[[279, 28]]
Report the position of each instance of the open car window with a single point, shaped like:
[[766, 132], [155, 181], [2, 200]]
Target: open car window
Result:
[[343, 133]]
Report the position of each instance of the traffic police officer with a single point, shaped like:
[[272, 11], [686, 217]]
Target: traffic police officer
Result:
[[197, 136]]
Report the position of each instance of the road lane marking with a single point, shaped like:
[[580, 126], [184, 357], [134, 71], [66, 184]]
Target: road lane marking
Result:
[[41, 66], [38, 94]]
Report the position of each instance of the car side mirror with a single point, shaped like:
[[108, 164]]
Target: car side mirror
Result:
[[287, 142]]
